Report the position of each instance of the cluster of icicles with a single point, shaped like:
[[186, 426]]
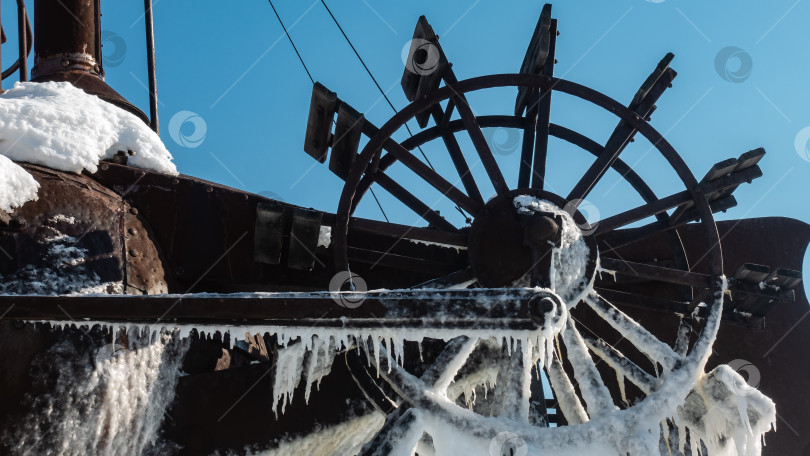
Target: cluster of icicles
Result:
[[722, 414], [111, 404], [126, 396]]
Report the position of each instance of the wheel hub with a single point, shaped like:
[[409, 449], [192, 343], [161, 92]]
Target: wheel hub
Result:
[[506, 244]]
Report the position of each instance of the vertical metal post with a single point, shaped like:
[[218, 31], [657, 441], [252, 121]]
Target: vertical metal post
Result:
[[98, 38], [22, 34], [150, 61]]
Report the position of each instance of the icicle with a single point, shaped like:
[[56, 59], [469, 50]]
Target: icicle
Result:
[[289, 367], [620, 379], [377, 343]]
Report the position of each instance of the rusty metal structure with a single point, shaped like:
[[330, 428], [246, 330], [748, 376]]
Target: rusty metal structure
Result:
[[144, 229]]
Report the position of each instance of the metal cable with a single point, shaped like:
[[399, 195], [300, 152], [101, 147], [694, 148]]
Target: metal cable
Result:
[[301, 59], [381, 90], [291, 41]]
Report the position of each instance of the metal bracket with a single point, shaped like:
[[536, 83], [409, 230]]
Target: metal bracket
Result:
[[306, 226], [268, 239]]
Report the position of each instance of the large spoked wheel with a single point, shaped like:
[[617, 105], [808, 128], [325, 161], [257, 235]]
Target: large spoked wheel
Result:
[[566, 351]]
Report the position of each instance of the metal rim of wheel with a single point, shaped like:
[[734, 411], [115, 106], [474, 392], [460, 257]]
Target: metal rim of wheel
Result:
[[357, 182]]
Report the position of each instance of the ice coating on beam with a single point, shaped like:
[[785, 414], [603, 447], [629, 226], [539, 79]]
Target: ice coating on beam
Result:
[[342, 439], [57, 125]]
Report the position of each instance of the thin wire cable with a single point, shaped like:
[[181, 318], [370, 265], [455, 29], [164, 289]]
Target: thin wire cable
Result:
[[372, 77], [301, 59], [291, 41], [381, 90]]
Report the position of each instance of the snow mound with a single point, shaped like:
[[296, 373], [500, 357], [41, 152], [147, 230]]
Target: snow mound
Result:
[[57, 125], [16, 186]]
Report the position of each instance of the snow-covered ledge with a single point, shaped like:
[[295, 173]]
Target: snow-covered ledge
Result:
[[57, 125]]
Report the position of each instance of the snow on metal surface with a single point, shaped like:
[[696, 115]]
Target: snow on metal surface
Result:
[[57, 125], [63, 271], [17, 187]]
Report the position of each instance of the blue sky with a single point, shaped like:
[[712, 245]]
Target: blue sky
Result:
[[230, 65]]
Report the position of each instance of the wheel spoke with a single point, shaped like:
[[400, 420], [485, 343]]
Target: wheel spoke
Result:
[[415, 204], [618, 362], [442, 372], [648, 271], [432, 177], [544, 116], [643, 340], [684, 334], [513, 392], [643, 105], [567, 398], [594, 392], [456, 155], [402, 430], [527, 150], [477, 137]]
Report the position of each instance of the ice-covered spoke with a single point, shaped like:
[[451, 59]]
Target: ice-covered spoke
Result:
[[513, 390], [684, 334], [567, 398], [618, 362], [594, 392], [635, 333], [399, 435], [442, 372]]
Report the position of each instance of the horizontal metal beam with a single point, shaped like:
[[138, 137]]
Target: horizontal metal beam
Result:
[[648, 271], [472, 309]]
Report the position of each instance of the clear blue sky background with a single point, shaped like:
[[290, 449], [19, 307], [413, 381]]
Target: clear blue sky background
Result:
[[230, 64]]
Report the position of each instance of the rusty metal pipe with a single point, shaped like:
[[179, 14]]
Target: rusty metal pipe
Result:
[[22, 33], [150, 63], [68, 49]]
